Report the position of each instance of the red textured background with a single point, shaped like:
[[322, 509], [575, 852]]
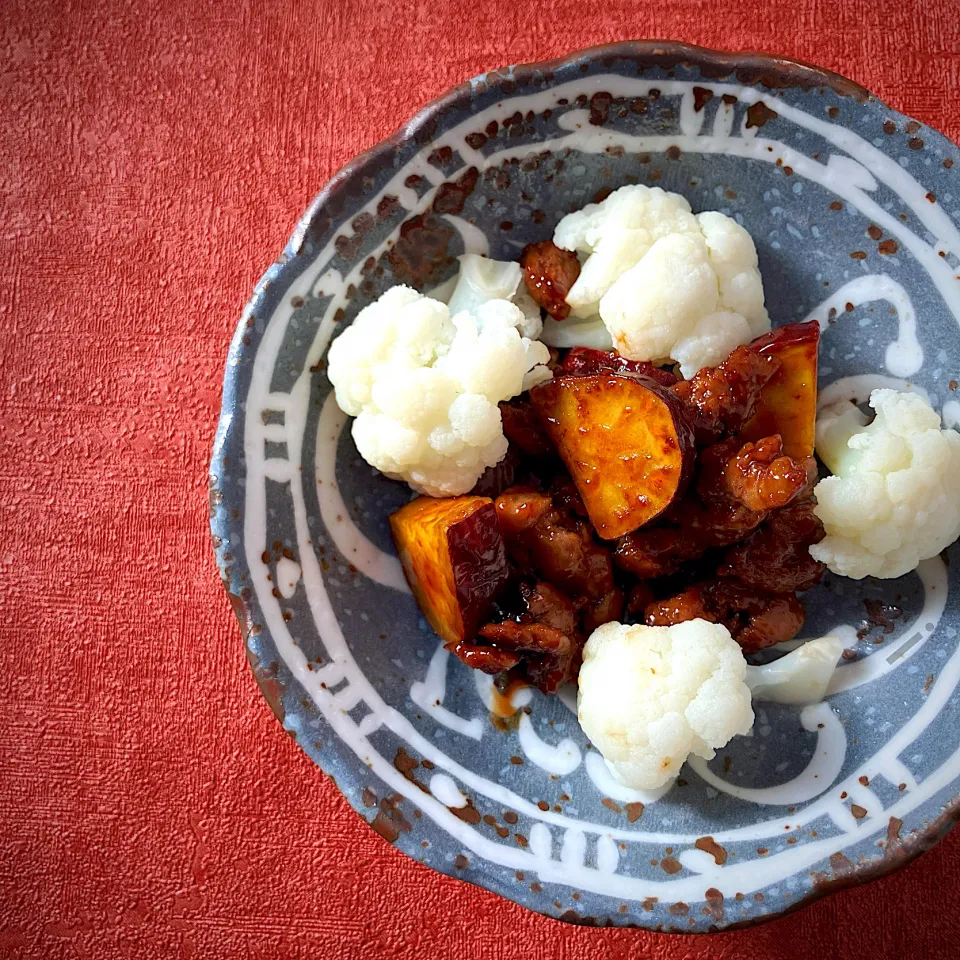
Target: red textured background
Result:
[[153, 160]]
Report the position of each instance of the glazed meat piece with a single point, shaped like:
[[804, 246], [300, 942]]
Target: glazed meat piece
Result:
[[689, 604], [754, 618], [522, 428], [549, 273], [586, 361], [724, 397], [494, 480], [566, 554], [605, 610], [559, 549], [546, 604], [656, 551], [721, 524], [541, 646], [545, 652], [756, 476], [767, 620], [761, 477], [775, 558], [519, 508], [641, 596], [544, 639], [486, 659]]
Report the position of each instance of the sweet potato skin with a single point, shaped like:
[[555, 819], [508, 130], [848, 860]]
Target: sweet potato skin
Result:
[[626, 441], [455, 560], [788, 402]]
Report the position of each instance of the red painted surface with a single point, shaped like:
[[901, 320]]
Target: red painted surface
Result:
[[153, 159]]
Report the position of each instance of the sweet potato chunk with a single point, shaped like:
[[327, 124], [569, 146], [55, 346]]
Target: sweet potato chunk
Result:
[[788, 402], [626, 441], [455, 561]]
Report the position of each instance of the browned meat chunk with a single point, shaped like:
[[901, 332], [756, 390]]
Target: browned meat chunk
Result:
[[754, 618], [776, 557], [724, 397], [522, 428], [549, 273], [762, 478], [586, 361], [546, 652]]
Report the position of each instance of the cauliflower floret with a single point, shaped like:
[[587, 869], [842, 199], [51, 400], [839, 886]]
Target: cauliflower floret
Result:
[[661, 278], [661, 299], [733, 257], [616, 234], [894, 499], [717, 334], [650, 696], [424, 387], [482, 279], [800, 677]]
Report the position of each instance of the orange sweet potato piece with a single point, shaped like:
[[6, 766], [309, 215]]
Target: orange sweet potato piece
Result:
[[626, 441], [455, 561], [788, 403]]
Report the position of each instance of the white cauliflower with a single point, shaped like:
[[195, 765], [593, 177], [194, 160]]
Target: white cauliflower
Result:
[[650, 696], [424, 386], [665, 283], [800, 677], [894, 499], [481, 279]]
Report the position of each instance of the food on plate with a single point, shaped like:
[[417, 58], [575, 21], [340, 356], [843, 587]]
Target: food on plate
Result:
[[799, 677], [787, 404], [713, 515], [754, 618], [776, 557], [626, 441], [637, 508], [480, 279], [894, 498], [586, 361], [665, 283], [550, 273], [424, 386], [454, 558], [651, 696], [724, 397]]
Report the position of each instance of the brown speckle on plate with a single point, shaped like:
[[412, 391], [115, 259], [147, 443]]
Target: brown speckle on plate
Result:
[[758, 114], [709, 845]]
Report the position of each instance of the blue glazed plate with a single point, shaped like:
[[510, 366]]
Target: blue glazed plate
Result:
[[855, 220]]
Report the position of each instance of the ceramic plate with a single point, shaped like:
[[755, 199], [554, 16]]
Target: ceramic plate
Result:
[[853, 210]]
